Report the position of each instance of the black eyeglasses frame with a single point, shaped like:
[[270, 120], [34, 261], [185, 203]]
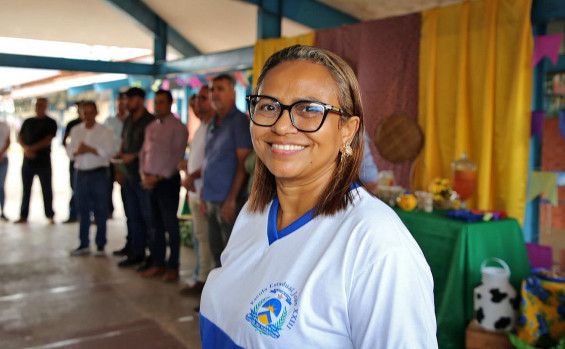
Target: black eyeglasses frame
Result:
[[327, 108]]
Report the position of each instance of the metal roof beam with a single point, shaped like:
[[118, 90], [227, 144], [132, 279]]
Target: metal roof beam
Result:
[[311, 13], [544, 11], [237, 59], [150, 20], [269, 19], [26, 61]]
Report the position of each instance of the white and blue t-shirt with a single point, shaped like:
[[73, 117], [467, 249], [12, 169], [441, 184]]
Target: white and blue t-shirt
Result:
[[356, 279]]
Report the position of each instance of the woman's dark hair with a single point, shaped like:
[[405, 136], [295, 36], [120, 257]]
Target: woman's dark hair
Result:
[[337, 194]]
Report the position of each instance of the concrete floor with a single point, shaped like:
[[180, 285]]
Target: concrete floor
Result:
[[51, 300]]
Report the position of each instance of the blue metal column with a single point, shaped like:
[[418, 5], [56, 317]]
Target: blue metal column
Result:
[[269, 19], [160, 44], [531, 220]]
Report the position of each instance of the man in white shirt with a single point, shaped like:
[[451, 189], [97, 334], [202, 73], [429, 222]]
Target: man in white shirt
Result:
[[4, 145], [91, 149], [204, 110]]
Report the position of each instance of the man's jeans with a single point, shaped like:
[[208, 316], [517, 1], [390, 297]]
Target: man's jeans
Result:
[[44, 175], [219, 230], [164, 199], [139, 216], [92, 196]]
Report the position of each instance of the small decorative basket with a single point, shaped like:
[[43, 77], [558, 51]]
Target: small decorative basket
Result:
[[443, 204]]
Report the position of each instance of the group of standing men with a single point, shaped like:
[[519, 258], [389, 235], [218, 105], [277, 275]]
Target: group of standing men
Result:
[[143, 153], [145, 164], [150, 155]]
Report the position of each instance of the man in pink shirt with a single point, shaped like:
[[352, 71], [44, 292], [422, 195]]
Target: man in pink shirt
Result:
[[163, 148]]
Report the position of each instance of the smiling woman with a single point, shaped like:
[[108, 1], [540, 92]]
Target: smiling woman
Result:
[[327, 265]]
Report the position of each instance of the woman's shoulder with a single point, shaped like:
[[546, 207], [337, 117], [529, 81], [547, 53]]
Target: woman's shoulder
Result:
[[375, 224], [368, 209], [246, 219]]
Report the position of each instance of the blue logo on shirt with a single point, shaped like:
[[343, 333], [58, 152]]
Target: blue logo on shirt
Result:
[[274, 309]]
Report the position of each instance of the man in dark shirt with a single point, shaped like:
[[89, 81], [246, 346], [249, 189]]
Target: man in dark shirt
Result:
[[68, 128], [139, 214], [35, 138]]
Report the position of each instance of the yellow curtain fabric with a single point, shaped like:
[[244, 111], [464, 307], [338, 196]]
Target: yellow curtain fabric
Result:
[[475, 95], [265, 48]]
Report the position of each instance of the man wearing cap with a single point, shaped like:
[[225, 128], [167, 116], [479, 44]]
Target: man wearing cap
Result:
[[137, 197]]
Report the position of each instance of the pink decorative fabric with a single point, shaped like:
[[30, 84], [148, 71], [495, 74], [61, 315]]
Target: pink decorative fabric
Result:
[[385, 55], [547, 46]]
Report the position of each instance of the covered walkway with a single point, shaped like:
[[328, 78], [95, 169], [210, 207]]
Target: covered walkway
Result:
[[51, 300]]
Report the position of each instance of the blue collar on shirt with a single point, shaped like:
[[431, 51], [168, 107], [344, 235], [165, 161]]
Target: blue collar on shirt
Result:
[[272, 232]]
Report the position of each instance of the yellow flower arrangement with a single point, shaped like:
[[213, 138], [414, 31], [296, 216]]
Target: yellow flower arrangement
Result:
[[440, 189], [444, 197]]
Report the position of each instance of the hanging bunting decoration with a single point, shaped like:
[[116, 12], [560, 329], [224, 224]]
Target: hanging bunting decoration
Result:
[[156, 84], [547, 45], [182, 82], [248, 75], [203, 80], [165, 85], [543, 182], [239, 77], [195, 82], [537, 123]]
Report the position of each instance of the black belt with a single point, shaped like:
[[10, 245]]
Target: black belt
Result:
[[94, 170]]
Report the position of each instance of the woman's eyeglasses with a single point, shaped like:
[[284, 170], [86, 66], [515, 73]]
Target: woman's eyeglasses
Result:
[[306, 116]]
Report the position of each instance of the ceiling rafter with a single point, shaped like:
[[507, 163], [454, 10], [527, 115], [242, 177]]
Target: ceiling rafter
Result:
[[311, 13], [39, 62], [154, 23]]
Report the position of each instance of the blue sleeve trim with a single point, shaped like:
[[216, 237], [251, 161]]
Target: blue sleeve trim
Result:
[[212, 336], [272, 232]]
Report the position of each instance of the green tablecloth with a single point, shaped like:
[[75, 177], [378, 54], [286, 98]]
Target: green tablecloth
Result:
[[455, 250]]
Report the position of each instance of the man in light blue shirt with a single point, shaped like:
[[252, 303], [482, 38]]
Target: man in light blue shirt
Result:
[[228, 143]]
